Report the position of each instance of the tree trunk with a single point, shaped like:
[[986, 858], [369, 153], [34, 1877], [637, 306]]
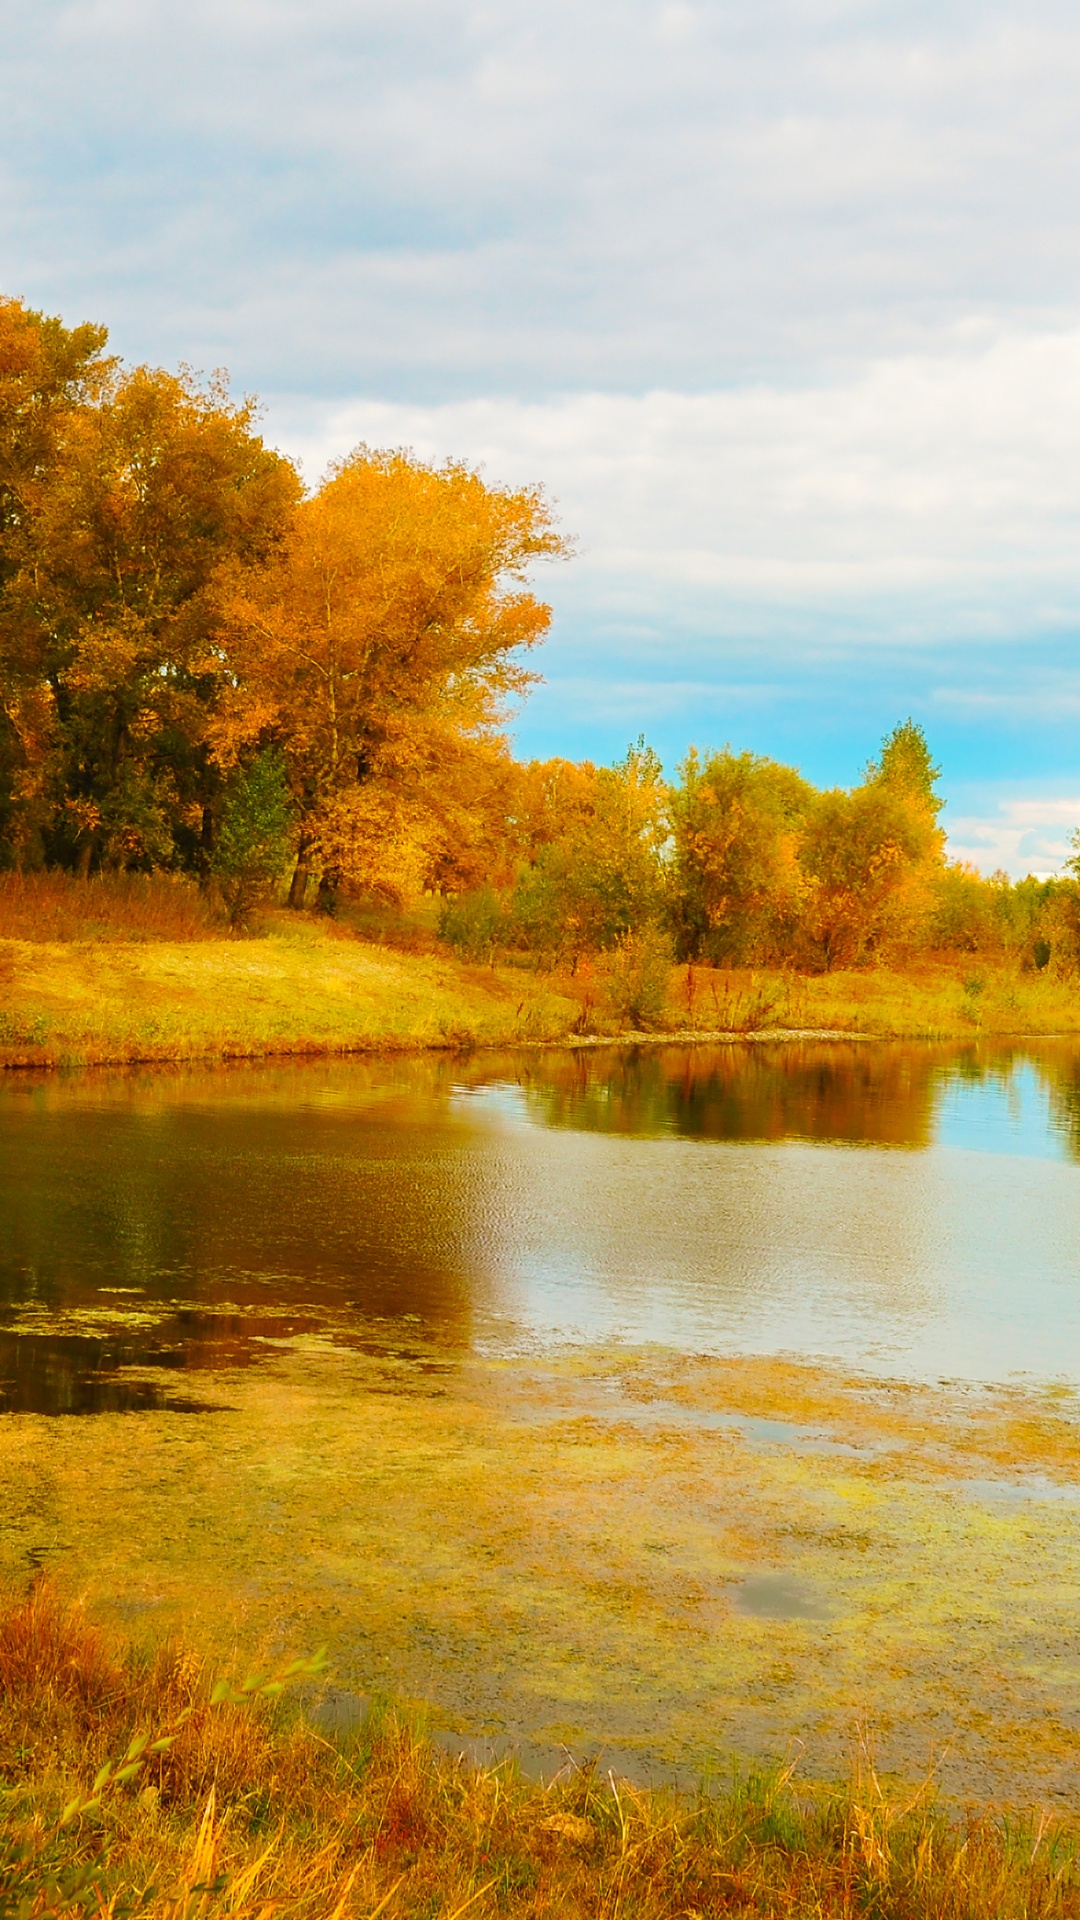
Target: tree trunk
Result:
[[301, 876], [326, 898]]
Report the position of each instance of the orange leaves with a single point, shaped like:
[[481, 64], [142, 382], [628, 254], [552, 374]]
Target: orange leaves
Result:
[[126, 500], [379, 647], [170, 604]]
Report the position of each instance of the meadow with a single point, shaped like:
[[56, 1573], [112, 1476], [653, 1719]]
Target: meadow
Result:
[[132, 968]]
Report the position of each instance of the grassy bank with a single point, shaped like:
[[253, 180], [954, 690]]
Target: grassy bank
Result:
[[246, 1810], [298, 989], [130, 969]]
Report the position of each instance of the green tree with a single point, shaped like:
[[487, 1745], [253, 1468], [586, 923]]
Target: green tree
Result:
[[905, 766], [599, 872], [255, 836], [737, 821], [866, 857], [869, 859], [964, 915]]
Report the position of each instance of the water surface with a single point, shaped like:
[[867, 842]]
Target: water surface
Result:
[[907, 1209], [475, 1370]]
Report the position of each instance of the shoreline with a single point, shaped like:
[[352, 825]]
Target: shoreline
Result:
[[29, 1062], [302, 990], [14, 1062]]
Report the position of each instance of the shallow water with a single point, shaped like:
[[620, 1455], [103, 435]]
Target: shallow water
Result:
[[413, 1357], [910, 1210]]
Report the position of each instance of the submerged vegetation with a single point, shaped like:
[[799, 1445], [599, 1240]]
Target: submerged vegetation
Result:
[[250, 1812], [615, 1553]]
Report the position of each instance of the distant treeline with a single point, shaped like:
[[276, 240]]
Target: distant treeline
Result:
[[741, 862], [207, 671]]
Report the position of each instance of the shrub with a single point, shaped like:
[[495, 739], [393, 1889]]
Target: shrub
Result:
[[254, 836], [636, 976]]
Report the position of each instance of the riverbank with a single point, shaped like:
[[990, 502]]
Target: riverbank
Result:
[[246, 1809], [305, 986], [300, 989]]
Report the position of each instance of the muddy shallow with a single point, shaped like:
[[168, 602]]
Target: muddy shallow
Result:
[[662, 1406]]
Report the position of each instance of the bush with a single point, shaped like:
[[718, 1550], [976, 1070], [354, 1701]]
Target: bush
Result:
[[636, 977], [474, 923]]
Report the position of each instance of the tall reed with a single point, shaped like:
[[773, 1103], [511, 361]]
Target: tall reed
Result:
[[110, 906]]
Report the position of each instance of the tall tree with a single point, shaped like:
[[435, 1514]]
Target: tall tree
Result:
[[47, 373], [905, 766], [870, 858], [738, 821], [598, 836], [155, 492], [378, 650]]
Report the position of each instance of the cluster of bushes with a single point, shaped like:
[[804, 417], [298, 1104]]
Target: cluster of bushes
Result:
[[740, 862]]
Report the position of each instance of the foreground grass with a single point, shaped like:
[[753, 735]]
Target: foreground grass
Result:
[[249, 1812]]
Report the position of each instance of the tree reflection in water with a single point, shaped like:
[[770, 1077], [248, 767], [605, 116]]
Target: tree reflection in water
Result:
[[157, 1222]]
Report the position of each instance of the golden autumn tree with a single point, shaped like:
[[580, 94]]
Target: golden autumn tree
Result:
[[594, 840], [48, 373], [870, 858], [152, 493], [738, 820], [378, 651]]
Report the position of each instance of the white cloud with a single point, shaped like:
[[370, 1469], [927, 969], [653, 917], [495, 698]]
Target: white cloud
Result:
[[467, 196], [942, 489], [1020, 836]]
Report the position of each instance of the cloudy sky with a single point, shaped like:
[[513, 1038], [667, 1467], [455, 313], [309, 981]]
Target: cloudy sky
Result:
[[780, 299]]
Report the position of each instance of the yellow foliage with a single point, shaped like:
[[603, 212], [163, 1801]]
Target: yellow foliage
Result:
[[379, 648]]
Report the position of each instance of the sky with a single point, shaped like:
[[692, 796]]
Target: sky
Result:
[[779, 300]]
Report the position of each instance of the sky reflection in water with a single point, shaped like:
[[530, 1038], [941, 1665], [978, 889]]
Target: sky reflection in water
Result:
[[912, 1210]]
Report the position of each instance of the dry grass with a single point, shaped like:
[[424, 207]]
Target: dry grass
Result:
[[303, 987], [138, 968], [307, 987], [250, 1812], [933, 1000], [121, 906]]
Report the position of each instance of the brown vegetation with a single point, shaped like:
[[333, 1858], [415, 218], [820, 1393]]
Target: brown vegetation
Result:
[[251, 1812]]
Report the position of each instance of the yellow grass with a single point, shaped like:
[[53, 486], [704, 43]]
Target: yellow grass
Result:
[[131, 968], [944, 999], [299, 989], [305, 988], [252, 1814]]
